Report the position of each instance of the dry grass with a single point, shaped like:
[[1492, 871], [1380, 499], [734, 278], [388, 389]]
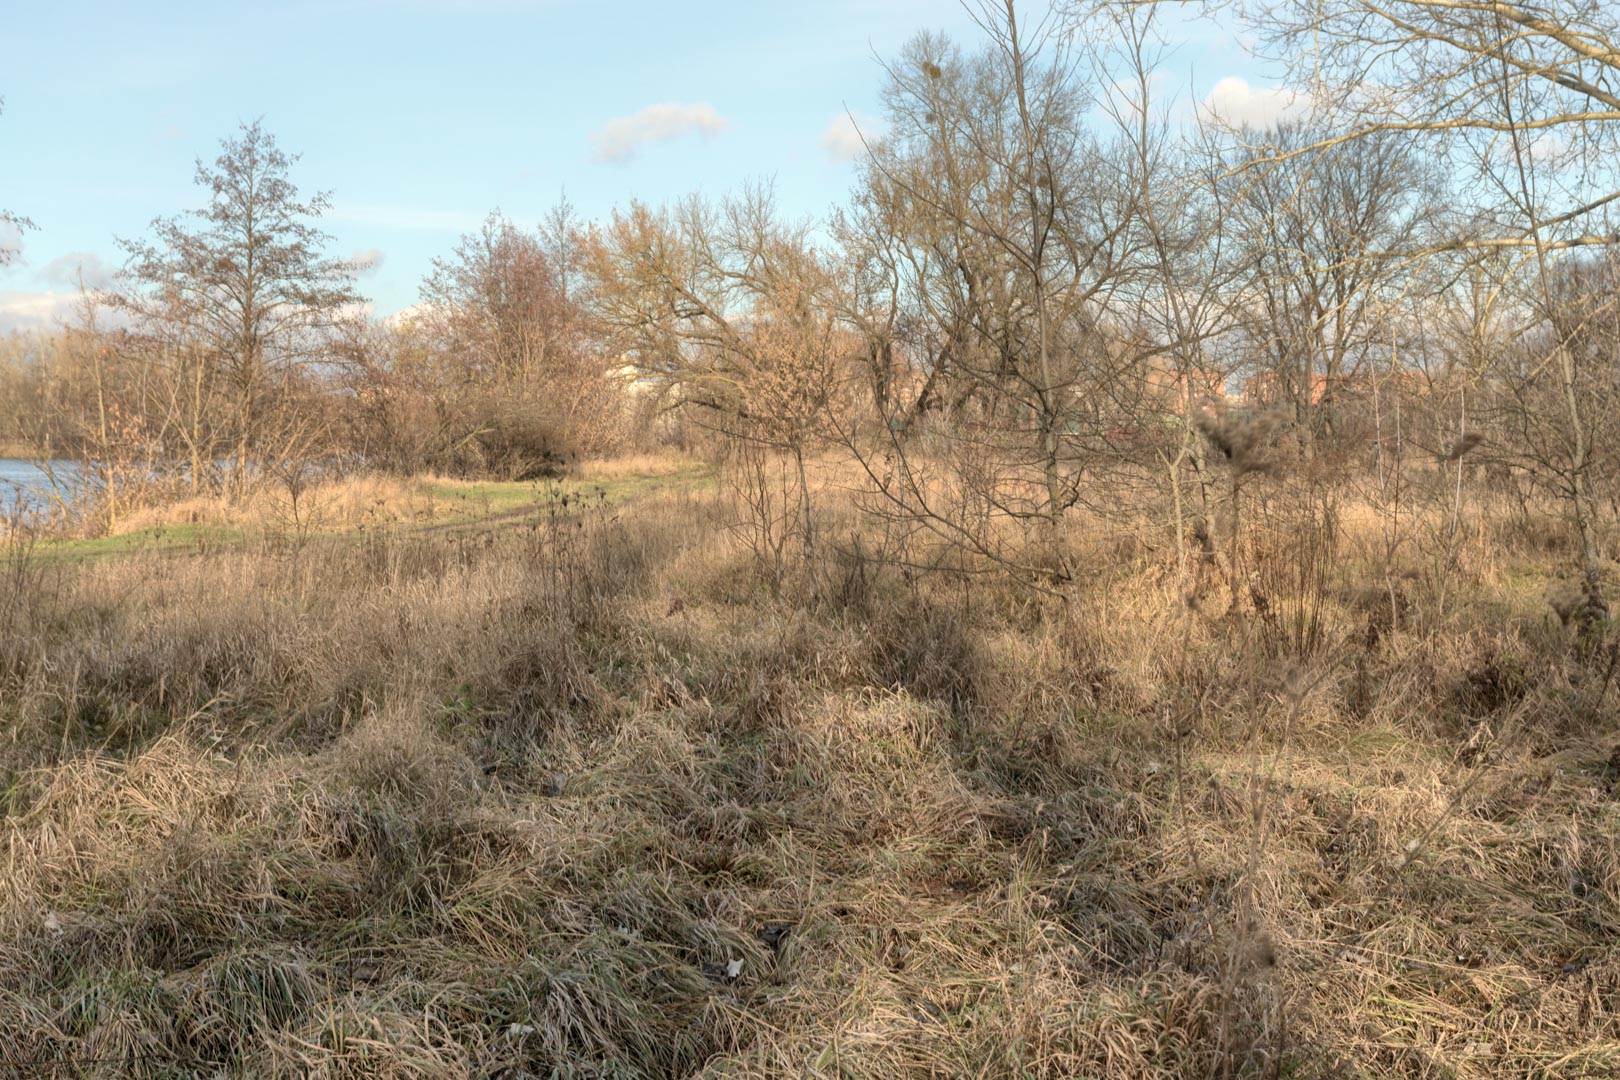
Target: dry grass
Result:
[[348, 502], [635, 465], [516, 803]]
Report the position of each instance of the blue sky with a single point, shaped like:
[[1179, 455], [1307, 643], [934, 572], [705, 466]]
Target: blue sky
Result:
[[422, 115]]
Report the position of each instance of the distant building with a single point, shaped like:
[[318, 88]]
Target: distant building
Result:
[[1176, 388], [1267, 387]]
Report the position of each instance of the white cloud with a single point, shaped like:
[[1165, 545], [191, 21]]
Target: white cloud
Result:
[[405, 316], [1234, 102], [363, 310], [842, 141], [366, 262], [620, 138], [22, 309], [64, 270], [33, 310]]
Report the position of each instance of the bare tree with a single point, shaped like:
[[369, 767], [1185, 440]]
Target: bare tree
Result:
[[994, 228], [247, 278], [1325, 239], [730, 309], [1521, 102], [496, 304], [514, 347], [1180, 306]]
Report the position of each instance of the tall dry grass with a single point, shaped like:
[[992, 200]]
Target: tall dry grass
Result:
[[325, 504], [586, 795]]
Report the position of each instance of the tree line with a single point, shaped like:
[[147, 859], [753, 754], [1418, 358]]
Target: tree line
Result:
[[1053, 291]]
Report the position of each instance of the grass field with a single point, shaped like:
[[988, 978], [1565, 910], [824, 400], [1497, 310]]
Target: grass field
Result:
[[581, 795], [344, 509]]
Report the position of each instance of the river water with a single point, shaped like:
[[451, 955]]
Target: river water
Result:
[[28, 483]]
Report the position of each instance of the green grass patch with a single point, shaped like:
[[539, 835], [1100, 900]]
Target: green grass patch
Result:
[[488, 498], [163, 538]]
